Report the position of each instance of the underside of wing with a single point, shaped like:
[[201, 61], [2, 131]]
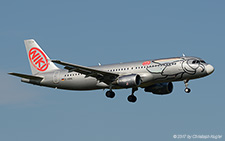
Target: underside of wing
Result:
[[101, 75]]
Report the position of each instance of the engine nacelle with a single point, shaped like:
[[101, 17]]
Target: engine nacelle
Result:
[[160, 88], [128, 81]]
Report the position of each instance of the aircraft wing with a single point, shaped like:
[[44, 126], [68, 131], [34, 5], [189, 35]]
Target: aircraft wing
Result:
[[103, 76]]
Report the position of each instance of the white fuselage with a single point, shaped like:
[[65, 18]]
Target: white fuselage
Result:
[[157, 71]]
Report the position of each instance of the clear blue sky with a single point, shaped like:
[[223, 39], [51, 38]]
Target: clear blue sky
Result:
[[89, 32]]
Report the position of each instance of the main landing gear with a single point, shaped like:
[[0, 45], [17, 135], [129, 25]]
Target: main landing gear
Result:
[[131, 98], [187, 90], [110, 94]]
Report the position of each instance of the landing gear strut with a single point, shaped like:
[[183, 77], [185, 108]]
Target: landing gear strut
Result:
[[187, 90], [110, 93], [132, 97]]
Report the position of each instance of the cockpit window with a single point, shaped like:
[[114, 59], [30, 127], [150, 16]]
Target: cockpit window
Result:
[[202, 61], [198, 61]]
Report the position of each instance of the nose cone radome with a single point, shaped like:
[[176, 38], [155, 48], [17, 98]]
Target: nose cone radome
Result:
[[209, 69]]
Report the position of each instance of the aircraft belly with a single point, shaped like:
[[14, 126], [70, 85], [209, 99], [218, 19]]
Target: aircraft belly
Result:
[[79, 83]]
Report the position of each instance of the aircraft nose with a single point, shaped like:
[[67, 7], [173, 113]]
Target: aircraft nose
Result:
[[209, 69]]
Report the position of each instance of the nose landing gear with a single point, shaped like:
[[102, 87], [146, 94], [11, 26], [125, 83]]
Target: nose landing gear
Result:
[[187, 90]]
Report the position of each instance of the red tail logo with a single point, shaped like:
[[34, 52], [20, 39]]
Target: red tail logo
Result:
[[38, 59]]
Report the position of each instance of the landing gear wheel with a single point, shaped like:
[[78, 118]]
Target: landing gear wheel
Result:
[[187, 90], [132, 98], [110, 94]]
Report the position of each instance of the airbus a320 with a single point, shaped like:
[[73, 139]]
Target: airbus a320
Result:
[[155, 76]]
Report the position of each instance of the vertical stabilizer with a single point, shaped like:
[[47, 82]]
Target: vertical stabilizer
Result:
[[39, 61]]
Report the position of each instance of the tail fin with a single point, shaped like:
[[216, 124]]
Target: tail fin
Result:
[[39, 61]]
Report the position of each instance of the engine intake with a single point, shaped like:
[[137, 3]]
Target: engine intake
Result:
[[160, 88], [128, 81]]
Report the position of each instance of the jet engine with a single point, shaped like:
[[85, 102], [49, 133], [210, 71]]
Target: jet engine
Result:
[[160, 88], [128, 81]]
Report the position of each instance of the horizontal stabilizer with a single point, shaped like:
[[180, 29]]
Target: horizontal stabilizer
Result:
[[26, 76]]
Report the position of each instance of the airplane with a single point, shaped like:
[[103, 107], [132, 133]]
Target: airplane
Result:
[[155, 76]]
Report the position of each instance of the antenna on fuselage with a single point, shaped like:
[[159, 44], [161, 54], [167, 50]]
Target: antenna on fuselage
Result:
[[183, 55]]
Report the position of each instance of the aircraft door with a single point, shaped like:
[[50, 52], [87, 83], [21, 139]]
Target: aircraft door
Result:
[[56, 77]]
